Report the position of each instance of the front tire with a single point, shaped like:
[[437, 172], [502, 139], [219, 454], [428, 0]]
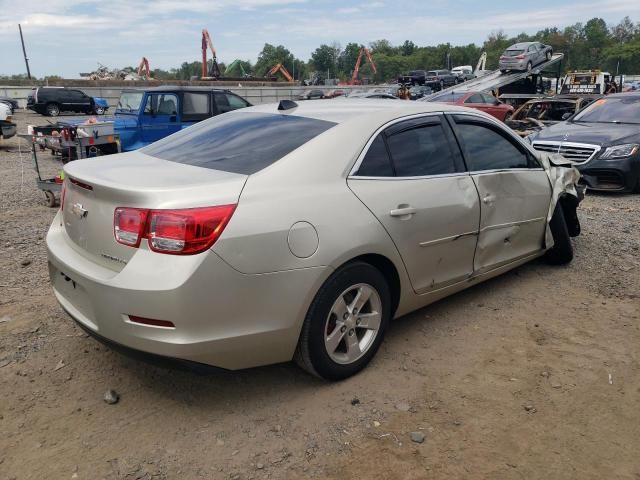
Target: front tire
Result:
[[346, 322], [52, 109], [529, 66], [562, 251], [99, 110]]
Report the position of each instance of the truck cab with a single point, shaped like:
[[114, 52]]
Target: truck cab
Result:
[[146, 115], [588, 82]]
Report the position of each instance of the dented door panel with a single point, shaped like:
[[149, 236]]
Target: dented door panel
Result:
[[437, 241], [513, 215]]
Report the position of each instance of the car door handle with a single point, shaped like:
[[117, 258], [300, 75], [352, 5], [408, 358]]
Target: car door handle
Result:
[[488, 199], [402, 211]]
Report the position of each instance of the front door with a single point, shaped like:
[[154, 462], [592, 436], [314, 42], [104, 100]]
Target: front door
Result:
[[412, 178], [514, 189], [159, 117]]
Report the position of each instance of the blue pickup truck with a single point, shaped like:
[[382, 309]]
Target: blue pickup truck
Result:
[[146, 115]]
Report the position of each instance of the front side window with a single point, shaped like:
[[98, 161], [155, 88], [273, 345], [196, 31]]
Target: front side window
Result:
[[486, 149], [161, 104], [240, 143]]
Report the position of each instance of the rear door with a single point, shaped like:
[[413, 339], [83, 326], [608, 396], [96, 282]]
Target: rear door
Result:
[[514, 190], [412, 178], [159, 116], [77, 101]]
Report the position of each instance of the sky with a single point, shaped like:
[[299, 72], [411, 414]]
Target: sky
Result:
[[65, 37]]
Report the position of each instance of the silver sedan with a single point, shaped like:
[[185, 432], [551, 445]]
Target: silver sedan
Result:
[[524, 56], [300, 231]]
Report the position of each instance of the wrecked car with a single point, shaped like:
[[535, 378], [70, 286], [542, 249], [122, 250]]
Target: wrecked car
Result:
[[171, 240], [603, 140], [540, 113]]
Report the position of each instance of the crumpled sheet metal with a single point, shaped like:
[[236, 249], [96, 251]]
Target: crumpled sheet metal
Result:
[[564, 179]]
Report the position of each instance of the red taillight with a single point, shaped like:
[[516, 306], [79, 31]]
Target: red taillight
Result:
[[129, 225], [178, 232], [62, 194], [521, 57]]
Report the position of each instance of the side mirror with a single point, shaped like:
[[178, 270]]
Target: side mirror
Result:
[[566, 116]]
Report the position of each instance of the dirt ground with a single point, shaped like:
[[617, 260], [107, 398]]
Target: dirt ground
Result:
[[533, 375]]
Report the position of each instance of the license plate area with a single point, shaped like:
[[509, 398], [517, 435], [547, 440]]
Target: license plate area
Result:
[[73, 292]]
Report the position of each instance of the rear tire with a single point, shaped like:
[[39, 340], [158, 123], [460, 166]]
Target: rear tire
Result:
[[52, 109], [562, 251], [529, 66], [335, 313], [50, 199]]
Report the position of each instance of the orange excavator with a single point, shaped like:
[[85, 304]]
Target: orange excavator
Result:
[[280, 68], [364, 51], [143, 69], [214, 71]]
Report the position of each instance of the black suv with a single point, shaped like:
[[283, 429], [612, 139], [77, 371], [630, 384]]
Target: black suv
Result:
[[440, 79], [603, 140], [54, 100]]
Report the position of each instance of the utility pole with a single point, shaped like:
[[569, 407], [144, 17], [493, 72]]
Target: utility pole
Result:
[[24, 52]]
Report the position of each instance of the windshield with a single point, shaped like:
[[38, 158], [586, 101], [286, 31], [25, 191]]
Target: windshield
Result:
[[432, 74], [238, 142], [611, 110], [129, 101], [513, 53], [447, 97]]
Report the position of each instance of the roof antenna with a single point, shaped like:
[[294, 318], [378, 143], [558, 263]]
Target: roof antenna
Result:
[[287, 105]]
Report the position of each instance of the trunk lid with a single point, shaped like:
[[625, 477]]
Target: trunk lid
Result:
[[96, 187]]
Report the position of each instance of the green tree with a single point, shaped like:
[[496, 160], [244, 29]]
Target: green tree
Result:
[[348, 58], [270, 56], [325, 58], [407, 48]]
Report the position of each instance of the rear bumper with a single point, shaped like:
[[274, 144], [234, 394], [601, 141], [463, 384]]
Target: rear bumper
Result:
[[519, 65], [611, 175], [222, 317]]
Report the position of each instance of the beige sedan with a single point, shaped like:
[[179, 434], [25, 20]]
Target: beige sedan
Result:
[[300, 231]]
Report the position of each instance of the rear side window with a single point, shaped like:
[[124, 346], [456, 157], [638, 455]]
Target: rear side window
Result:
[[376, 162], [487, 149], [195, 106], [475, 98], [419, 151], [240, 143], [226, 102]]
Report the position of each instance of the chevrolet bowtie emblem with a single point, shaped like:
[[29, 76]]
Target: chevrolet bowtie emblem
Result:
[[77, 210]]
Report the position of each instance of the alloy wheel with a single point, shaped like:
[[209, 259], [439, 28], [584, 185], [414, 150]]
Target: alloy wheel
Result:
[[353, 323]]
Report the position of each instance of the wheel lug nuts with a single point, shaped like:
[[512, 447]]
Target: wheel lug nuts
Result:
[[351, 333], [358, 321], [345, 316], [342, 329]]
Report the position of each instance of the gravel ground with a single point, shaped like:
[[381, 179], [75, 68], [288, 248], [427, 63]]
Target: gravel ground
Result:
[[534, 374]]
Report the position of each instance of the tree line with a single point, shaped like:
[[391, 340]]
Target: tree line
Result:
[[594, 44]]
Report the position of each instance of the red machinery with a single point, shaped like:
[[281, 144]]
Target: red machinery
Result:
[[143, 68], [364, 51], [214, 71]]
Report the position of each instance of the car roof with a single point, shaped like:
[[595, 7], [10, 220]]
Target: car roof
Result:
[[342, 110], [521, 45], [176, 88]]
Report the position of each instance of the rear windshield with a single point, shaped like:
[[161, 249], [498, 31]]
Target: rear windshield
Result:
[[447, 97], [238, 142], [432, 74], [513, 53]]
